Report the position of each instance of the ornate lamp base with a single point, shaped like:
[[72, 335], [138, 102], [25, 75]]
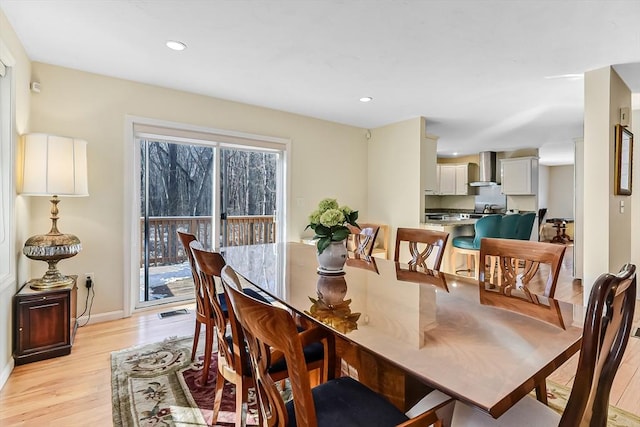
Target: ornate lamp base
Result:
[[52, 247], [52, 279]]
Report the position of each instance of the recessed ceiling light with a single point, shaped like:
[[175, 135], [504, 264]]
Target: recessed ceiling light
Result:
[[176, 45], [366, 99]]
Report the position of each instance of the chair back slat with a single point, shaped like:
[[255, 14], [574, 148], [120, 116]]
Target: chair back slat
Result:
[[512, 264], [607, 327], [210, 265], [422, 243], [187, 239], [271, 330], [361, 241]]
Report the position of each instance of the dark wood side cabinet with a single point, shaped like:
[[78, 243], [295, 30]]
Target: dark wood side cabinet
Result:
[[44, 323]]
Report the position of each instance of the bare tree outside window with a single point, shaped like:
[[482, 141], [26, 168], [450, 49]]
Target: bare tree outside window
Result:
[[177, 194]]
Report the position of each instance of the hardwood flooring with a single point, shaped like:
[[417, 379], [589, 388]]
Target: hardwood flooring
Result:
[[75, 390]]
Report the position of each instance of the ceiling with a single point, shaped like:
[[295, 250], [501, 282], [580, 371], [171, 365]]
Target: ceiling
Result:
[[485, 74]]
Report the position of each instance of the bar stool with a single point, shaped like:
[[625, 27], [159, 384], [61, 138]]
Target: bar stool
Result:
[[488, 226]]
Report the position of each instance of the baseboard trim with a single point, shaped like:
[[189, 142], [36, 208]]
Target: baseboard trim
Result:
[[101, 317], [6, 372]]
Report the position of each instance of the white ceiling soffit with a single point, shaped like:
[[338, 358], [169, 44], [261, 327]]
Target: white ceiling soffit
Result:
[[487, 75]]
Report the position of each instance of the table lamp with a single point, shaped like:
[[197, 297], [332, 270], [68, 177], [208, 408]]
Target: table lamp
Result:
[[53, 166]]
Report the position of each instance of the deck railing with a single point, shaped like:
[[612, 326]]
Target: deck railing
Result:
[[165, 247]]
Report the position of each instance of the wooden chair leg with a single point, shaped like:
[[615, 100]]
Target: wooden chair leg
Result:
[[242, 403], [208, 349], [476, 265], [541, 392], [454, 258], [196, 337], [217, 397]]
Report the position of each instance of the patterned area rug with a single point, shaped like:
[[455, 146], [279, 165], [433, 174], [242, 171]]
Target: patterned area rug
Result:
[[557, 396], [155, 385]]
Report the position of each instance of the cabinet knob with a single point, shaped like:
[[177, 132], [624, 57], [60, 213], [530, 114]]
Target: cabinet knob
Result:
[[44, 297], [20, 329]]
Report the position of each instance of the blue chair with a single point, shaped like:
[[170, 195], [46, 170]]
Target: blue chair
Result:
[[488, 226], [509, 226], [525, 225]]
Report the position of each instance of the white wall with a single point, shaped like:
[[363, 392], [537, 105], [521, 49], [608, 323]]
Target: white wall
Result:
[[394, 175], [10, 47], [543, 186], [560, 192], [634, 203], [327, 160], [606, 231]]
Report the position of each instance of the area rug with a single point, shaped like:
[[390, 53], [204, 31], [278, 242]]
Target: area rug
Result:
[[155, 385], [557, 396]]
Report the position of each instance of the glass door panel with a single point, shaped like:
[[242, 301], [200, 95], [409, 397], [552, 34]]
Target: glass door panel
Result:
[[248, 196], [176, 194]]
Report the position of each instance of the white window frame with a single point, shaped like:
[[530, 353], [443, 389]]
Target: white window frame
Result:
[[7, 173], [142, 127]]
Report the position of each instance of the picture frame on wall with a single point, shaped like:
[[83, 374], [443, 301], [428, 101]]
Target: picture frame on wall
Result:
[[624, 160]]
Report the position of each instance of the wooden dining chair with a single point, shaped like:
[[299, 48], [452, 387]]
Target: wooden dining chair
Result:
[[421, 246], [509, 265], [202, 316], [361, 241], [271, 334], [234, 365], [512, 264], [211, 315], [607, 326]]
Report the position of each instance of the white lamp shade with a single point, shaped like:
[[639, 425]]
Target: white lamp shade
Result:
[[54, 165]]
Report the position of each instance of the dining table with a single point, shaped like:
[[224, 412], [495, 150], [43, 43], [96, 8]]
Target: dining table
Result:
[[406, 330]]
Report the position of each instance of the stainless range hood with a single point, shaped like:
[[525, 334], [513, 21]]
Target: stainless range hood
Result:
[[487, 170]]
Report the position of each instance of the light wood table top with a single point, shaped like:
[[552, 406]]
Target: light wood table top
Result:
[[431, 324]]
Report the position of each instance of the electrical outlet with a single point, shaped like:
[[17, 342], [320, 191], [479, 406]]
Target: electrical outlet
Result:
[[89, 280]]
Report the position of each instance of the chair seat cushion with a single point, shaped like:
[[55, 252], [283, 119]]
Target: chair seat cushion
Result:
[[528, 411], [347, 403], [248, 291], [312, 353], [463, 242]]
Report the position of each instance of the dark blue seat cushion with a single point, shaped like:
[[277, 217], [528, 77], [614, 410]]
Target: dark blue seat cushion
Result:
[[345, 402], [463, 242], [248, 291], [312, 353]]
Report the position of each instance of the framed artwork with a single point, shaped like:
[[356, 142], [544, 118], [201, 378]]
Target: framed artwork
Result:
[[624, 161]]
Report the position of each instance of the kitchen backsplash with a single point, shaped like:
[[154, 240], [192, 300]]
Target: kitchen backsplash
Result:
[[490, 197]]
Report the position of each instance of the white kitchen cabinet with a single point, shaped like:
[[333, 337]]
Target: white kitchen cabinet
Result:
[[447, 181], [462, 179], [428, 165], [519, 176], [453, 179]]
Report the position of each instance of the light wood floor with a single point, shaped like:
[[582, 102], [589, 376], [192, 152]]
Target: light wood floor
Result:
[[75, 390]]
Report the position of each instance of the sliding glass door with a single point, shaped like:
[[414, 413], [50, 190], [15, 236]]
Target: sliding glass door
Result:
[[224, 194]]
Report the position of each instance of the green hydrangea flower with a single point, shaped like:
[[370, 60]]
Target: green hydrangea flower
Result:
[[314, 218], [327, 204], [332, 217], [328, 222]]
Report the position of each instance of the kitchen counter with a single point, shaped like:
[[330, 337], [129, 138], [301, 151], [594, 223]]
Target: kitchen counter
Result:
[[450, 222]]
